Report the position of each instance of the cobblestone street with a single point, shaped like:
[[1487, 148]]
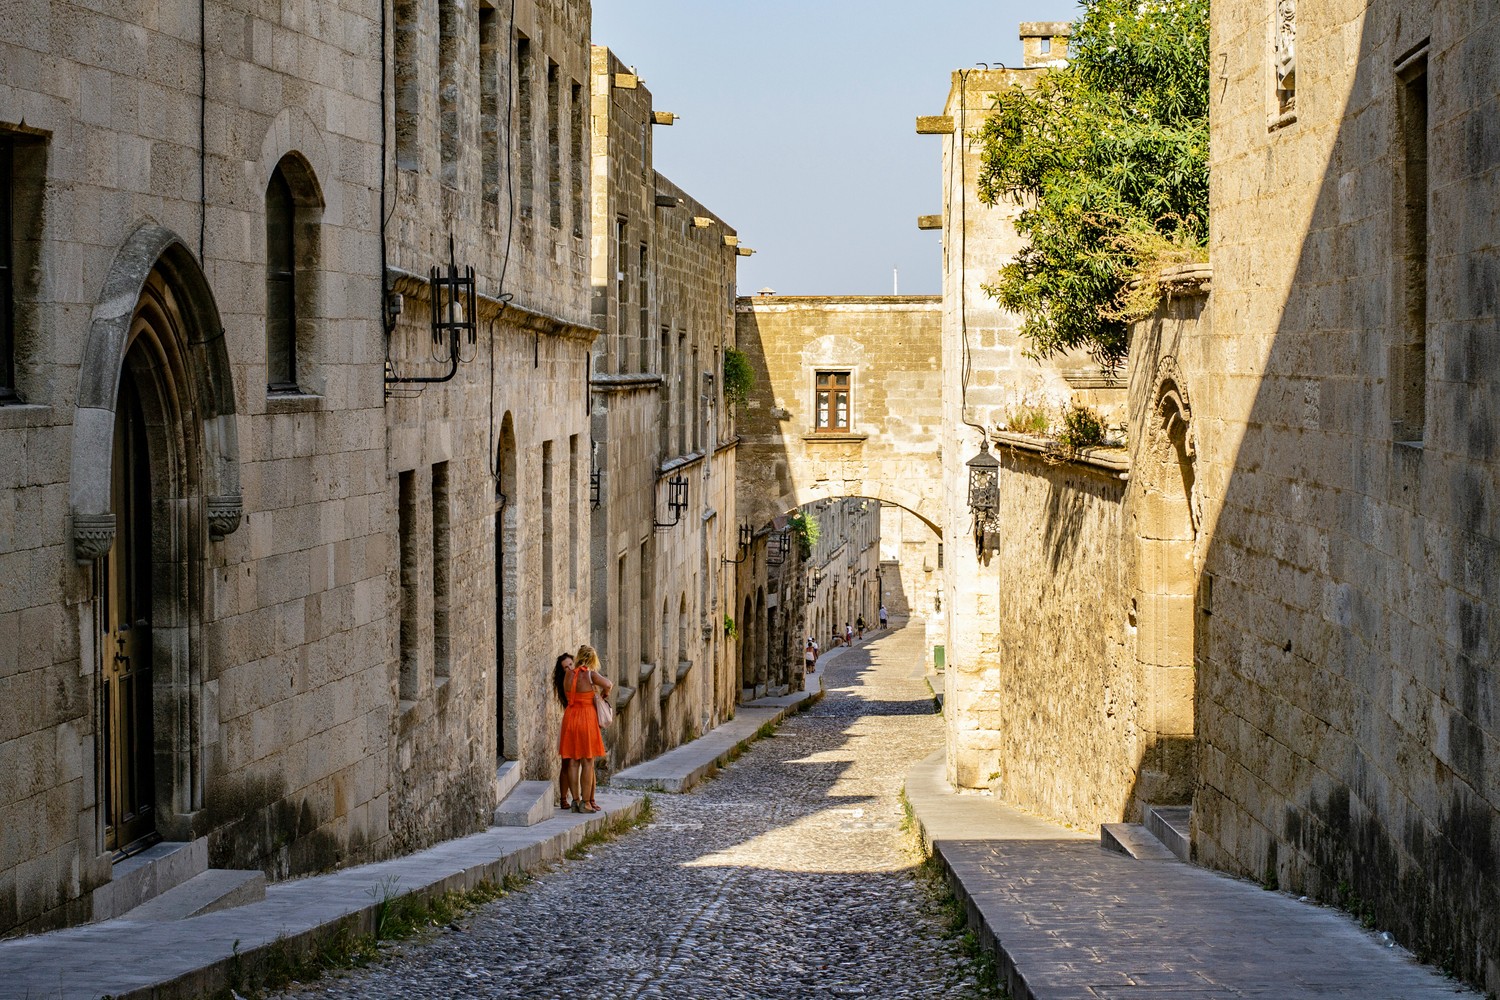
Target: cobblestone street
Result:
[[787, 875]]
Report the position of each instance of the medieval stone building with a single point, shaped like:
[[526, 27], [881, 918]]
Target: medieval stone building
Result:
[[845, 418], [663, 526], [1274, 604]]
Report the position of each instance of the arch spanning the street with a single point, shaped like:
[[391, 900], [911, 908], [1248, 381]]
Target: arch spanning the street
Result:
[[846, 402]]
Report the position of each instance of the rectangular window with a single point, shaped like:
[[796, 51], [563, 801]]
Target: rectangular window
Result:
[[576, 150], [831, 402], [442, 570], [410, 642], [449, 89], [620, 653], [684, 386], [695, 404], [665, 408], [643, 305], [408, 88], [644, 601], [575, 529], [622, 295], [554, 146], [7, 269], [547, 524], [489, 104], [525, 127], [1409, 359]]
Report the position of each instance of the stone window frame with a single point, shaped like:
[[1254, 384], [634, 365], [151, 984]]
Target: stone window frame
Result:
[[832, 427], [302, 274], [23, 180], [1412, 249], [8, 390]]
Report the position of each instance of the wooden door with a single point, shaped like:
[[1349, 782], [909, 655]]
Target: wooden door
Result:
[[129, 784]]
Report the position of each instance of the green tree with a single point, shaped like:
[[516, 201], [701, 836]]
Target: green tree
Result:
[[1109, 159]]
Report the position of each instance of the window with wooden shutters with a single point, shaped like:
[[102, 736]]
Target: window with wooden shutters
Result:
[[831, 402]]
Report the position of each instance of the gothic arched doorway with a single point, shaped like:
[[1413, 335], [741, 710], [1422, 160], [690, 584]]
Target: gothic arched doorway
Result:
[[154, 475]]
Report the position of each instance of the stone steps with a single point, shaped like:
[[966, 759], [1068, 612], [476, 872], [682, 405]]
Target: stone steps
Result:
[[1135, 840], [144, 876], [214, 890], [1172, 825], [527, 805]]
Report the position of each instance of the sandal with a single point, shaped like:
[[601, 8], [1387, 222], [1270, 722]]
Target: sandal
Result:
[[564, 805], [592, 807], [577, 807]]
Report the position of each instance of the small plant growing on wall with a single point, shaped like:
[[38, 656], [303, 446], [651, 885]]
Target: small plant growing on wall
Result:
[[739, 377], [730, 628], [1082, 428], [805, 527]]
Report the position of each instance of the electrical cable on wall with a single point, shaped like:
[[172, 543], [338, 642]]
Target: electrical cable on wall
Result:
[[510, 228]]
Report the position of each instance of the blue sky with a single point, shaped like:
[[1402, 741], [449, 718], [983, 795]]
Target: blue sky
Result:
[[798, 122]]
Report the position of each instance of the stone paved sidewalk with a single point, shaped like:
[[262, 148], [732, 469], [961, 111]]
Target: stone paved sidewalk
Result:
[[1072, 921], [129, 958], [787, 876]]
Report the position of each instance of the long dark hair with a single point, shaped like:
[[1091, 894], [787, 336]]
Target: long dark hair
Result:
[[559, 678]]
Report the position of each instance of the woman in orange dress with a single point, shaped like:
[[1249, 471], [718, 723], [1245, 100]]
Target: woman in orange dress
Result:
[[581, 742]]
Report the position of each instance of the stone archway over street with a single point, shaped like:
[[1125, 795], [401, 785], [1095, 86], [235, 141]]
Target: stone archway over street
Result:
[[847, 401]]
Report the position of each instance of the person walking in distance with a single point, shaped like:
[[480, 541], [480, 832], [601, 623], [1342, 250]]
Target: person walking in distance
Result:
[[581, 741], [848, 634], [859, 626], [884, 620], [809, 659]]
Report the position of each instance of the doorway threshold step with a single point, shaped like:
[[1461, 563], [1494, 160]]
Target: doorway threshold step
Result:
[[148, 874], [1134, 840], [528, 805], [214, 890]]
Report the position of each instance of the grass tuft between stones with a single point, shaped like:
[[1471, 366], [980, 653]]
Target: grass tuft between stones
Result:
[[954, 916]]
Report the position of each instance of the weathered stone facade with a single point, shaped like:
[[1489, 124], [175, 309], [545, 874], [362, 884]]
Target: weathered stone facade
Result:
[[309, 557], [886, 449], [1344, 409], [663, 290]]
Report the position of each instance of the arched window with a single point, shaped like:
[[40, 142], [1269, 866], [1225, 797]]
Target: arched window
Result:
[[281, 285], [293, 209]]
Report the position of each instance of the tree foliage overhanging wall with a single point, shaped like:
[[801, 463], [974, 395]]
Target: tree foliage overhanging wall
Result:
[[1109, 159]]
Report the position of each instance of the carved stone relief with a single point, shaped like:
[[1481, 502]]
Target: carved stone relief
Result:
[[1285, 41]]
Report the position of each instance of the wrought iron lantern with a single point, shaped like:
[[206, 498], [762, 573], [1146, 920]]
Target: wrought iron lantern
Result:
[[747, 536], [677, 500], [984, 498], [455, 307], [778, 547]]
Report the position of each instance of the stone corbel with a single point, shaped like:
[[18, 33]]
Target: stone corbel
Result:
[[224, 515], [93, 535]]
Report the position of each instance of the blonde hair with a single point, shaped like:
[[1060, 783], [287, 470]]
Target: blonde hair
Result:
[[586, 659]]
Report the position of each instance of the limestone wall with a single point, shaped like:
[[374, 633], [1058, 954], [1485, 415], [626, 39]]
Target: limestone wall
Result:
[[663, 282], [1346, 671], [303, 719], [889, 345]]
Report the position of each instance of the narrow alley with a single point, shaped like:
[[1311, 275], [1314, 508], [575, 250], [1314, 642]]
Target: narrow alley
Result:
[[789, 873]]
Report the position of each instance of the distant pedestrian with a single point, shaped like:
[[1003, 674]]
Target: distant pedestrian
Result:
[[810, 656], [859, 626], [848, 634], [883, 618]]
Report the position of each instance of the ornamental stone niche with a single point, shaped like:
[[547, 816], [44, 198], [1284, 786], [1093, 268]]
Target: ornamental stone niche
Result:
[[1285, 54]]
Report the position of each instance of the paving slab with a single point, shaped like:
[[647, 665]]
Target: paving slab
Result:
[[1070, 920], [683, 767], [129, 959]]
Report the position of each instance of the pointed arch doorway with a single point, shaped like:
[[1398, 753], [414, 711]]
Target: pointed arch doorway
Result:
[[155, 476]]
